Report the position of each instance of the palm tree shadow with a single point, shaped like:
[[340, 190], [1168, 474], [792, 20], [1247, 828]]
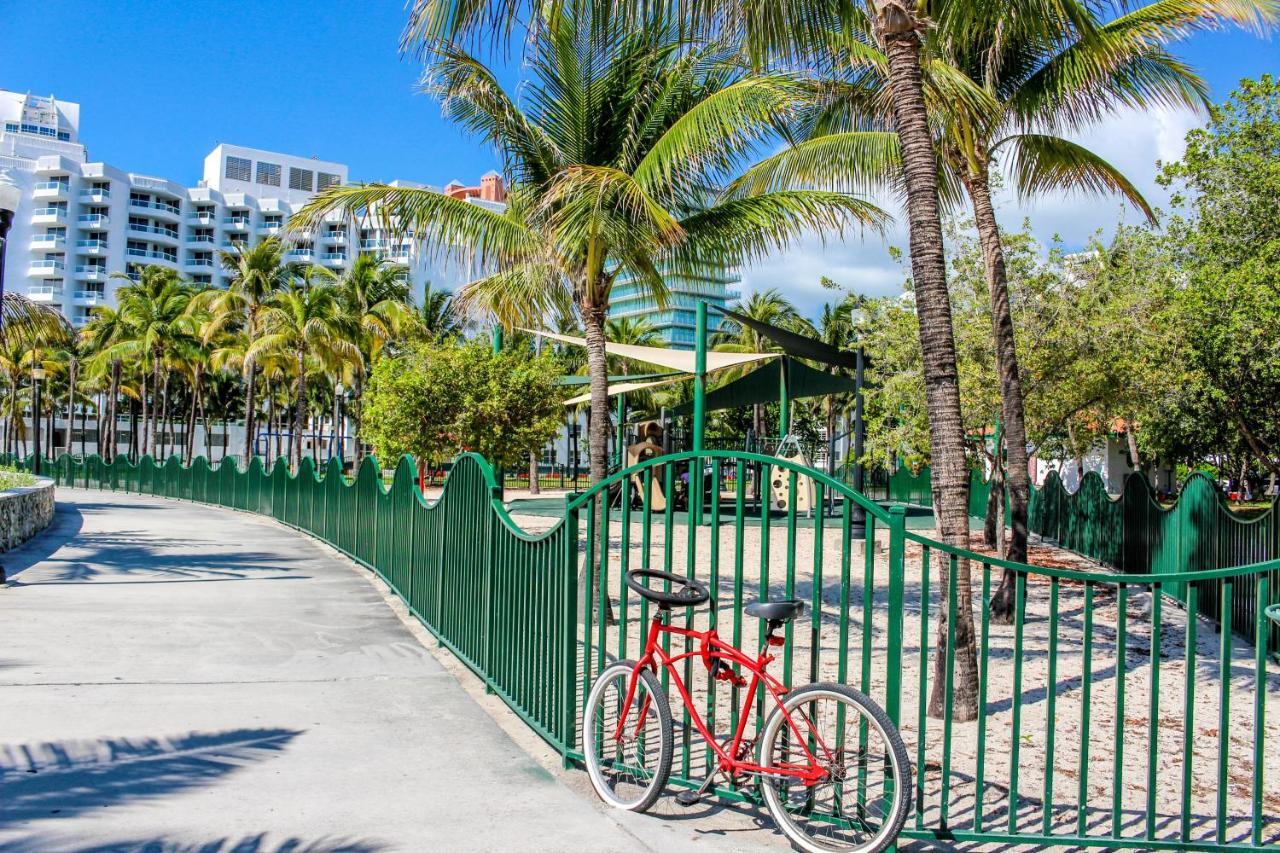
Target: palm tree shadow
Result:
[[256, 843], [63, 778], [66, 525]]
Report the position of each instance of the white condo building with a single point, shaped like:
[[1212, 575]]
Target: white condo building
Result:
[[80, 221]]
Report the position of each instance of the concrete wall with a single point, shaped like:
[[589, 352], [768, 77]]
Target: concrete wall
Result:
[[24, 513]]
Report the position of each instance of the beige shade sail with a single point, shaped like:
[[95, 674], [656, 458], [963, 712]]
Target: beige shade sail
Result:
[[625, 388], [673, 359]]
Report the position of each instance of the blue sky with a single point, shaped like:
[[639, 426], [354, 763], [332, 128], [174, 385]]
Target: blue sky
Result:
[[161, 83]]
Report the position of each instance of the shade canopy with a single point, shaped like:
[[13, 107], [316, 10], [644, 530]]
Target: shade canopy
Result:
[[571, 381], [628, 387], [673, 359], [762, 384], [793, 344]]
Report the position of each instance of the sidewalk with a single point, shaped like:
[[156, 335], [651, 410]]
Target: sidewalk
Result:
[[176, 677]]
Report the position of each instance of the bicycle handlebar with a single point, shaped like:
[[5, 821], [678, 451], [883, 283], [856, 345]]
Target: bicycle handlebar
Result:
[[690, 593]]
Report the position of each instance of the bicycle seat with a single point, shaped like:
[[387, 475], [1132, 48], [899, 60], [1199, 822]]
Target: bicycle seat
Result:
[[775, 611]]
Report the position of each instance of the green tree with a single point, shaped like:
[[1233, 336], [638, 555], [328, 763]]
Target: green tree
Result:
[[1224, 308], [436, 400], [615, 151]]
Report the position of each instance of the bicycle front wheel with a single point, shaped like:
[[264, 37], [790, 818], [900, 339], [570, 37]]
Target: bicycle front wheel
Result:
[[861, 803], [627, 746]]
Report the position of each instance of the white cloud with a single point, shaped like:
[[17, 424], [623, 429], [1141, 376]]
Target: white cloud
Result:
[[1131, 140]]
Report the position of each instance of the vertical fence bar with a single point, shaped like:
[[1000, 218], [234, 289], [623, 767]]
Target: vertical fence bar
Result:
[[1153, 708], [1224, 703], [1122, 668], [1050, 713], [1015, 740], [922, 716], [979, 774], [1189, 706], [1261, 633], [1086, 687]]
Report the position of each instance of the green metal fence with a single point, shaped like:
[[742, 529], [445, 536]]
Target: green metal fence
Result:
[[1105, 715]]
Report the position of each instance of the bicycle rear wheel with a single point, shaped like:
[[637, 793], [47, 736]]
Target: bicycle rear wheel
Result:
[[863, 802], [627, 772]]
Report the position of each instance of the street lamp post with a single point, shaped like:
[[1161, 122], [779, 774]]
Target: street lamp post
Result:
[[339, 427], [10, 195], [37, 376]]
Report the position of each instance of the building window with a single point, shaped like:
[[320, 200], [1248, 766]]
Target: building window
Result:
[[10, 127], [269, 173], [300, 179], [238, 168], [324, 179]]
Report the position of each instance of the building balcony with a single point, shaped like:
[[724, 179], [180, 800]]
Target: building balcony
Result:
[[45, 268], [334, 259], [51, 191], [270, 229], [236, 223], [91, 272], [302, 255], [95, 195], [199, 263], [93, 220], [166, 233], [48, 216], [203, 219], [44, 293], [338, 237], [373, 245], [201, 238], [48, 241], [161, 208], [398, 254], [91, 247], [89, 297], [79, 321]]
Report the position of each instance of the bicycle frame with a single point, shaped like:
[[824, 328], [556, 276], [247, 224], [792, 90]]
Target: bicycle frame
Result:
[[712, 649]]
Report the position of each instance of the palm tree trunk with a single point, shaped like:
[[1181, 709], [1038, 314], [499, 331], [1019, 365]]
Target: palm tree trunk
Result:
[[593, 319], [357, 417], [165, 434], [899, 28], [1016, 469], [272, 451], [298, 409], [534, 487], [71, 404], [196, 381], [250, 390], [113, 400]]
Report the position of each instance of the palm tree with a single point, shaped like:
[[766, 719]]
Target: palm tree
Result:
[[305, 323], [438, 317], [613, 152], [376, 304], [106, 328], [154, 312], [767, 306], [257, 274]]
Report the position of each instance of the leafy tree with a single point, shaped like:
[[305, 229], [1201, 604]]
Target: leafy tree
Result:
[[436, 400], [1224, 307]]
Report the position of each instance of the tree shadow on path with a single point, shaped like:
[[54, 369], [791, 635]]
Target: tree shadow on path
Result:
[[62, 778]]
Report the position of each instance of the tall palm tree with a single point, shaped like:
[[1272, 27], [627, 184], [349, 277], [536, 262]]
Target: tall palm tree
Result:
[[257, 274], [304, 323], [375, 301], [613, 150], [106, 328], [155, 313]]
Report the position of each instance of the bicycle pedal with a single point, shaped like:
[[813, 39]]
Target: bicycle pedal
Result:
[[688, 798]]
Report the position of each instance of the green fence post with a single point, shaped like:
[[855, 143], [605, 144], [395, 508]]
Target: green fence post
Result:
[[569, 631], [699, 375], [897, 577]]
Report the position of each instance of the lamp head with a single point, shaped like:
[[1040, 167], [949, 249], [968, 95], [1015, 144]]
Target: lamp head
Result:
[[38, 374]]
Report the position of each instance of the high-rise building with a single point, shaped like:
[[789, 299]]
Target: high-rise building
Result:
[[676, 322], [81, 221]]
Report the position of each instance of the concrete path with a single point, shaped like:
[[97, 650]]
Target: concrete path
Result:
[[180, 678]]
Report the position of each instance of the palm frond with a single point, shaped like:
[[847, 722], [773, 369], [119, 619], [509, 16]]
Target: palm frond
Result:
[[1042, 163]]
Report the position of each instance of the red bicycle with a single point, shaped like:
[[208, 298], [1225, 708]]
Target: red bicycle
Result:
[[831, 766]]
